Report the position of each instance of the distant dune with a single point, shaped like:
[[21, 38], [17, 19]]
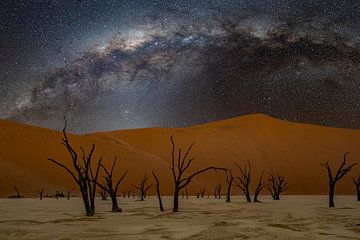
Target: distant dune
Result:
[[296, 150]]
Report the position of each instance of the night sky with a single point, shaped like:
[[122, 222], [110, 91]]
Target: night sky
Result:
[[111, 64]]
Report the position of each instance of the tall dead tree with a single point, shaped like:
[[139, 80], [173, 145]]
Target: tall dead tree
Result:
[[243, 182], [143, 187], [83, 174], [229, 180], [357, 187], [341, 172], [276, 185], [158, 191], [112, 187], [217, 191], [179, 165], [259, 187]]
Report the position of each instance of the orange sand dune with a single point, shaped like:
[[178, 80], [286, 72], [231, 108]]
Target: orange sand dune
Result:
[[295, 150]]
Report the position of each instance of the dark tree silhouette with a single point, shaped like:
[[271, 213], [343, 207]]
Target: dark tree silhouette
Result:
[[112, 187], [261, 184], [217, 191], [83, 175], [243, 182], [276, 185], [18, 194], [103, 193], [158, 191], [143, 187], [41, 193], [68, 193], [229, 180], [341, 172], [357, 187], [201, 192], [179, 168]]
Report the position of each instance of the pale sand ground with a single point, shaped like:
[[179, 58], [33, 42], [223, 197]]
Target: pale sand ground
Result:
[[293, 217]]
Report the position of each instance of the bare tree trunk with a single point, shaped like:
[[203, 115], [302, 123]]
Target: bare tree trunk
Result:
[[176, 200], [85, 198], [244, 180], [340, 173], [331, 195], [259, 187], [158, 191], [114, 202], [179, 168], [357, 187]]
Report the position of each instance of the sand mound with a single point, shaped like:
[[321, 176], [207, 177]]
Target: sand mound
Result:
[[295, 150]]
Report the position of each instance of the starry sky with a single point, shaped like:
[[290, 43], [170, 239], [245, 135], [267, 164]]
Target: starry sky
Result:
[[112, 64]]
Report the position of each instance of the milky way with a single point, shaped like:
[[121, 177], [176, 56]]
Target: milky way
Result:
[[117, 64]]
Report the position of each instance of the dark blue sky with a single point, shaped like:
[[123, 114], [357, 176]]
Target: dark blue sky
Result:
[[124, 64]]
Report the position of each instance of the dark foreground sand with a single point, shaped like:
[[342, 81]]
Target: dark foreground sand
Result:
[[294, 217]]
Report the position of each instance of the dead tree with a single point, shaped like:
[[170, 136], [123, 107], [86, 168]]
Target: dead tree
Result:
[[68, 193], [41, 193], [158, 191], [341, 172], [179, 168], [261, 184], [83, 174], [18, 194], [202, 192], [143, 187], [217, 191], [103, 193], [276, 185], [357, 187], [229, 180], [243, 182], [128, 193], [111, 187]]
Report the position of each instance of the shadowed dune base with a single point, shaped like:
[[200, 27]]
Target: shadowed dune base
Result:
[[294, 217]]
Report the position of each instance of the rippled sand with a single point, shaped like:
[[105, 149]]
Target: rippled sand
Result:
[[293, 217]]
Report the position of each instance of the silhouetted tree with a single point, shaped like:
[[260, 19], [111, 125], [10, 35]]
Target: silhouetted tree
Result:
[[243, 182], [341, 172], [68, 193], [112, 187], [143, 187], [217, 191], [83, 175], [103, 193], [41, 193], [202, 192], [179, 168], [261, 184], [357, 187], [229, 180], [276, 185], [158, 191], [18, 194]]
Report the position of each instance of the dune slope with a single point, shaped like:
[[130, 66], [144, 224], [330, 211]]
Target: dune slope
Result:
[[296, 150]]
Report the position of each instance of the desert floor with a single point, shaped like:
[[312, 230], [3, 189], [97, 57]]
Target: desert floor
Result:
[[293, 217]]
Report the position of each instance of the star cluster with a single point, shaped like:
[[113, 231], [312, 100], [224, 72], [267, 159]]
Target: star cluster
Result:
[[118, 64]]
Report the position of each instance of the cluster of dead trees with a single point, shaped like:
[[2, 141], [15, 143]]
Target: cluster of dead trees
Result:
[[85, 173]]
